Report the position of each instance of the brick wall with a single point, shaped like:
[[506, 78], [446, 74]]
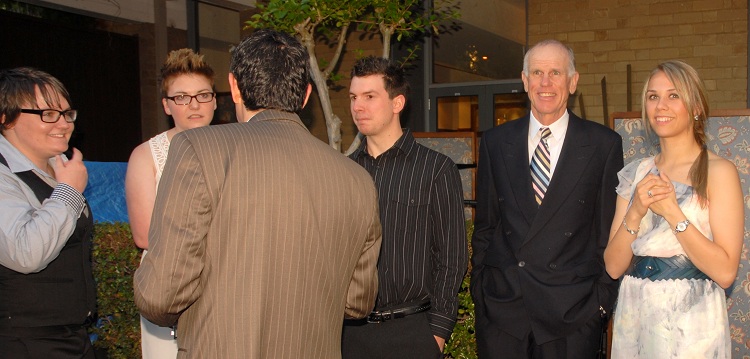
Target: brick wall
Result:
[[607, 35]]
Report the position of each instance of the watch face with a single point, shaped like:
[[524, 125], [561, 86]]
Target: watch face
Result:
[[682, 226]]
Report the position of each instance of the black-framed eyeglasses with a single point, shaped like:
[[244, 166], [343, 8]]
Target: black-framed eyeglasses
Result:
[[185, 100], [52, 116]]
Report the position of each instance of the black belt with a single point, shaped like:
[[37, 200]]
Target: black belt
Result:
[[658, 268], [385, 315]]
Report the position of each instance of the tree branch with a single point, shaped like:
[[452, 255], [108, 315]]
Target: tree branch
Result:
[[339, 50]]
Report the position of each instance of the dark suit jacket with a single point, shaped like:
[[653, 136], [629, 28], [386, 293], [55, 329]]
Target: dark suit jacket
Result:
[[262, 238], [548, 269]]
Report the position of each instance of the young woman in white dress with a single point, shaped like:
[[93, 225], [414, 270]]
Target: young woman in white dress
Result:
[[677, 232], [187, 84]]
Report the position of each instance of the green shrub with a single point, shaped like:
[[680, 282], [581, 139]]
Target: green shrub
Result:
[[115, 259], [462, 343]]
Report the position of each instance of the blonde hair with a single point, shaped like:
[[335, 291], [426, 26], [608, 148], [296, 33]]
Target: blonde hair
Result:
[[692, 92], [181, 62]]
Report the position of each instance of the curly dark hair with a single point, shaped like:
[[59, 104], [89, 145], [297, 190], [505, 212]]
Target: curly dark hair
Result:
[[271, 69]]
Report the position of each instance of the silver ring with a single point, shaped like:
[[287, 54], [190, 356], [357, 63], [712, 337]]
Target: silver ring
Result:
[[650, 195]]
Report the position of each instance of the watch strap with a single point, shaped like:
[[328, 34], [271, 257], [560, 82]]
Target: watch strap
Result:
[[681, 226]]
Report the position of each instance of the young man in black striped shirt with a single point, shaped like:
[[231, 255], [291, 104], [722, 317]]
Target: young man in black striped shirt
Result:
[[423, 257]]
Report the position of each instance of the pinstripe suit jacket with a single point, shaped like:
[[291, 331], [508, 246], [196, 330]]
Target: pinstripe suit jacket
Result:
[[262, 238]]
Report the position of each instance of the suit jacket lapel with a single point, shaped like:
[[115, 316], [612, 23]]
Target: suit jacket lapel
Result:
[[517, 159], [574, 157]]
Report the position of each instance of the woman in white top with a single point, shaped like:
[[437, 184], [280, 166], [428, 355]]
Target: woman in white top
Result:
[[187, 84], [677, 232]]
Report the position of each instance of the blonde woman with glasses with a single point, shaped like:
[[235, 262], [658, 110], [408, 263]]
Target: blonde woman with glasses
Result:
[[187, 84]]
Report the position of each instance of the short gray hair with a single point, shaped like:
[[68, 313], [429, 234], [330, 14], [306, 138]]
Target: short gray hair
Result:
[[551, 42]]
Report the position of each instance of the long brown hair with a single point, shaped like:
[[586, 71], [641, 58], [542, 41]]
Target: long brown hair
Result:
[[693, 95]]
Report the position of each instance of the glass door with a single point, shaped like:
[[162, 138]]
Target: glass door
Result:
[[475, 107]]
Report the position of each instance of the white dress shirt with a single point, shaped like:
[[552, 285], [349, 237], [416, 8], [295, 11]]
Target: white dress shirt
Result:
[[554, 142]]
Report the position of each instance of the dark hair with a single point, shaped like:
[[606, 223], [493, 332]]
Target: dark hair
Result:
[[393, 75], [182, 62], [689, 86], [18, 89], [271, 69]]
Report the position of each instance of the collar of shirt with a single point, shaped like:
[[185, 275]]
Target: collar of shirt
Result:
[[276, 115], [403, 145], [558, 129], [554, 143], [17, 162]]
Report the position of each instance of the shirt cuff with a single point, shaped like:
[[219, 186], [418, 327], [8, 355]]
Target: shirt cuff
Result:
[[441, 325], [68, 195]]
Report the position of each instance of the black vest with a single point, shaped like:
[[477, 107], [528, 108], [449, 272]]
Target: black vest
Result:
[[64, 292]]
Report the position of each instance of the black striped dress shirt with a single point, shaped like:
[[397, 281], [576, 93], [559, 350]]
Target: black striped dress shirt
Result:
[[424, 250]]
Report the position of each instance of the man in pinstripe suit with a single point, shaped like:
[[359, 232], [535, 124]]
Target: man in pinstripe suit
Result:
[[263, 238]]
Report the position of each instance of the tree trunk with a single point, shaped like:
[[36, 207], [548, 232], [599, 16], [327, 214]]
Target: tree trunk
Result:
[[355, 144], [387, 33], [333, 122]]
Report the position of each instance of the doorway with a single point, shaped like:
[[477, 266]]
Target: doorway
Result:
[[100, 70], [475, 107]]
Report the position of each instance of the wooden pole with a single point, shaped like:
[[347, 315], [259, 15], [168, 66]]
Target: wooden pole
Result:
[[629, 85], [604, 98]]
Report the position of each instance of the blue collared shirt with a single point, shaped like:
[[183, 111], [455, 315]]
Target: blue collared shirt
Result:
[[32, 234]]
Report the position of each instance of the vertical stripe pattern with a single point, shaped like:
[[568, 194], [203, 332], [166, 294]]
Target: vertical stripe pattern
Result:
[[540, 167], [263, 239], [424, 250]]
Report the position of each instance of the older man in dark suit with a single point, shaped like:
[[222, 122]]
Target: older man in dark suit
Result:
[[263, 237], [546, 200]]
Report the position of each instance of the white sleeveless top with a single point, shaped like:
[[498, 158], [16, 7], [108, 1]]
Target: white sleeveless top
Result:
[[159, 145], [157, 342]]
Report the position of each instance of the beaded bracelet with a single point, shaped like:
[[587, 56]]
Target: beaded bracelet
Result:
[[633, 232]]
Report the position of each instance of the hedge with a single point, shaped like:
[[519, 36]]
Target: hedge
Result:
[[115, 259]]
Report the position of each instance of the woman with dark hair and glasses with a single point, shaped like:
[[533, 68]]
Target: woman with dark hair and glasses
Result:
[[47, 291], [187, 84]]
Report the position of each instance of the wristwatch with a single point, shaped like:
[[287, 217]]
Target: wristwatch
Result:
[[681, 226]]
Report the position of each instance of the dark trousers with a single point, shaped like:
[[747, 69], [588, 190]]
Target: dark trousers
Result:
[[408, 337], [581, 344], [47, 344]]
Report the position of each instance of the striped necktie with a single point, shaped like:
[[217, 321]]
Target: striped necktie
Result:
[[540, 167]]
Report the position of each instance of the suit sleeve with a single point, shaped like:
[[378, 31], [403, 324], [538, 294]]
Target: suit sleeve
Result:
[[168, 280], [487, 211], [606, 210], [363, 288]]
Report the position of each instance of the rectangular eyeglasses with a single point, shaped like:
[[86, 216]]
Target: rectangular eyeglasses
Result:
[[52, 116], [185, 100]]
